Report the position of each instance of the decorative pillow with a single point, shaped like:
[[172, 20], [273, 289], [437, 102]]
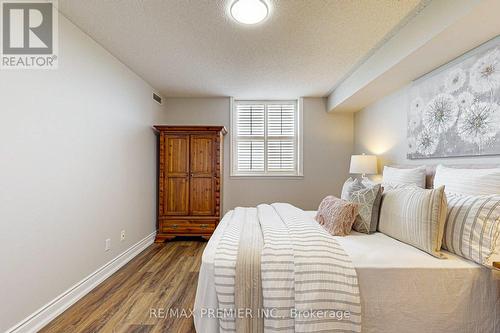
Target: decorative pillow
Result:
[[368, 201], [415, 216], [414, 176], [336, 215], [354, 184], [473, 227], [350, 186], [468, 181]]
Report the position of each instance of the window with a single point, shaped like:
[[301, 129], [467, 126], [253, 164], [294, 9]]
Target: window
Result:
[[266, 138]]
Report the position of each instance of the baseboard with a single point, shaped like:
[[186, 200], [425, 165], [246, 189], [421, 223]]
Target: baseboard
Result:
[[51, 310]]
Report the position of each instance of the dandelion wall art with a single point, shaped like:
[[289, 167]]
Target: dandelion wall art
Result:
[[455, 110]]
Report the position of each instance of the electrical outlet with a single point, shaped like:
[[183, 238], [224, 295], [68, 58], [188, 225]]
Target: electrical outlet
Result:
[[107, 245], [122, 235]]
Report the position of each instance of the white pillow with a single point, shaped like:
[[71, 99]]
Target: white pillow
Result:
[[468, 181], [396, 176]]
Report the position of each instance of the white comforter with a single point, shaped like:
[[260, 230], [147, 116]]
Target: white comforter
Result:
[[402, 288]]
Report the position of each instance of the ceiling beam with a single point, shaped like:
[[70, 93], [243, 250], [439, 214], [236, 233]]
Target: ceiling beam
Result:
[[444, 30]]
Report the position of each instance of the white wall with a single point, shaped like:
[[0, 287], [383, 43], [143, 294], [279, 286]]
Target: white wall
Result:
[[381, 129], [77, 165], [328, 143]]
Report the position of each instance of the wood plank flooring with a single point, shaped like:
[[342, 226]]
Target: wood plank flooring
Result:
[[164, 276]]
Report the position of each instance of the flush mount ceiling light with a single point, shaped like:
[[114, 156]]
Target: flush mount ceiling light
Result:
[[249, 11]]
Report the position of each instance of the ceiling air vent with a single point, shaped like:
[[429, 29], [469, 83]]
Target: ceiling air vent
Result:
[[157, 98]]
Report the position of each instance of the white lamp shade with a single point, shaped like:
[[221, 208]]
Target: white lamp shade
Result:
[[363, 164]]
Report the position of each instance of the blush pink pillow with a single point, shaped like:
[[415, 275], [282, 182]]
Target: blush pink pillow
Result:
[[336, 215]]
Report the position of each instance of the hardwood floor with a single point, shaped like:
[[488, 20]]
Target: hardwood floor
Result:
[[162, 277]]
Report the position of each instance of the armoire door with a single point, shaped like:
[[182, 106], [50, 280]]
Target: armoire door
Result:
[[176, 181], [202, 163]]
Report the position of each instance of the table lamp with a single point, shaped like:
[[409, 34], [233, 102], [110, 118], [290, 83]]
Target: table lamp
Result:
[[363, 164]]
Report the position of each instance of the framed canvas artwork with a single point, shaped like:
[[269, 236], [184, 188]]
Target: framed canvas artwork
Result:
[[455, 110]]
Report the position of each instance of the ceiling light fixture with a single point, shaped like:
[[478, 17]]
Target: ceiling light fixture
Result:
[[249, 11]]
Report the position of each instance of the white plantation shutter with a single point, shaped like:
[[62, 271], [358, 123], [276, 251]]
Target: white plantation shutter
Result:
[[250, 130], [250, 155], [266, 138], [281, 137], [281, 120], [250, 120], [280, 155]]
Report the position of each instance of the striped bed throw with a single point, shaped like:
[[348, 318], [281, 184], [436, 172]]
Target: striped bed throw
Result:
[[298, 278]]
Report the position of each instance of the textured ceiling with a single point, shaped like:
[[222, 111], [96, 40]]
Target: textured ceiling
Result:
[[192, 48]]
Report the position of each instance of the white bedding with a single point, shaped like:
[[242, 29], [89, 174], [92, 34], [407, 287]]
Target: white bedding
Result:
[[402, 288]]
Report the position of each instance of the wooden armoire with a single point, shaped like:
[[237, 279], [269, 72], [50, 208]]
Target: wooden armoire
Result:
[[189, 180]]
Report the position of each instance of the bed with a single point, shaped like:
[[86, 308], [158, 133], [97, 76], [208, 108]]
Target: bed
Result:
[[402, 288]]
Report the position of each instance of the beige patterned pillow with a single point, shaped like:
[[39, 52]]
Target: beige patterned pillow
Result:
[[351, 185], [368, 201], [336, 215], [415, 216], [354, 184]]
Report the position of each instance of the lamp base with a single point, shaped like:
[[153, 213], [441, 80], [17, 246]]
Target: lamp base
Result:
[[362, 177], [363, 180]]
